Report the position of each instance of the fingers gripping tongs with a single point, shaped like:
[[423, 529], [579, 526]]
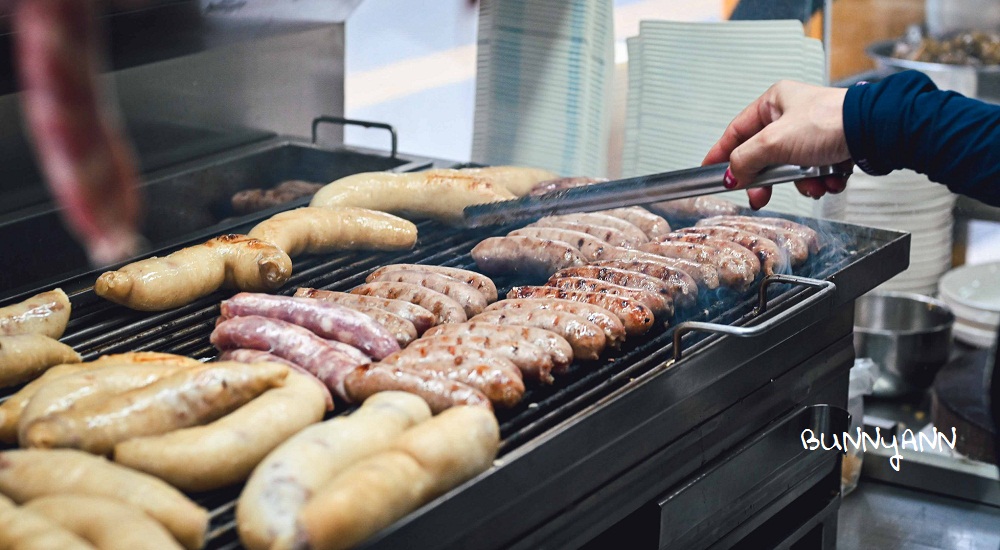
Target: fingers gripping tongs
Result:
[[680, 184]]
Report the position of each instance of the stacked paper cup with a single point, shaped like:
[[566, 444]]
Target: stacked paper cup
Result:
[[907, 201], [687, 81], [543, 84]]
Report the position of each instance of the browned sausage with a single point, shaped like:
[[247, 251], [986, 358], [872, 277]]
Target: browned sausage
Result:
[[402, 330], [607, 234], [632, 233], [439, 393], [532, 360], [732, 272], [792, 243], [558, 184], [635, 316], [524, 256], [734, 250], [807, 234], [772, 257], [696, 207], [682, 286], [650, 224], [614, 330], [586, 338], [660, 305], [706, 275], [625, 278], [588, 245], [420, 317], [445, 309], [471, 300], [478, 281], [498, 379], [553, 344]]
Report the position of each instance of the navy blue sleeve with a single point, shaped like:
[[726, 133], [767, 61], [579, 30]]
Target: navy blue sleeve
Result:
[[904, 121]]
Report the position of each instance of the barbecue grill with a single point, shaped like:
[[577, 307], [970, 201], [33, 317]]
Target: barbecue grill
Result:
[[688, 437]]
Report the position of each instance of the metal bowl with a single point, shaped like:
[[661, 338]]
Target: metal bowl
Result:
[[907, 335], [982, 82]]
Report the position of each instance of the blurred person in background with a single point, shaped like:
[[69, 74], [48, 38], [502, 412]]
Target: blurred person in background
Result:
[[904, 121], [84, 156]]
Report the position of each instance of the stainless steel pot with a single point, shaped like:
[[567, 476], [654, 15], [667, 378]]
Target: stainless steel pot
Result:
[[907, 335]]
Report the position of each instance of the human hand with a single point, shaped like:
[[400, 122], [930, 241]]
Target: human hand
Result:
[[791, 123], [87, 162]]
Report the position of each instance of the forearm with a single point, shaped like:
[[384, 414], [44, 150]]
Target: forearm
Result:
[[906, 122]]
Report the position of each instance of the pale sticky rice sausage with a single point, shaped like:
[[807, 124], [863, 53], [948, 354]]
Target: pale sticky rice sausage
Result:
[[26, 356], [46, 314], [312, 230], [106, 523]]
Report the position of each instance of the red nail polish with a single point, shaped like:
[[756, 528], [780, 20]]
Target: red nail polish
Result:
[[728, 180]]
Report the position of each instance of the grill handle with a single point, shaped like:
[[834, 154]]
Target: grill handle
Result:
[[355, 122], [827, 288]]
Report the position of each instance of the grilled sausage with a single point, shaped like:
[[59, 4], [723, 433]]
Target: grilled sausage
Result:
[[614, 330], [772, 257], [524, 256], [732, 272], [330, 321], [424, 462], [439, 393], [558, 184], [478, 281], [231, 261], [445, 309], [635, 316], [21, 528], [402, 330], [184, 398], [26, 475], [106, 523], [622, 277], [805, 233], [323, 230], [46, 314], [533, 362], [650, 224], [792, 243], [249, 201], [683, 287], [586, 338], [285, 480], [738, 252], [328, 360], [26, 356], [498, 378], [551, 343], [225, 451], [605, 233], [471, 300], [251, 356], [633, 235], [588, 245], [659, 304], [519, 180], [407, 193], [695, 207], [706, 275], [419, 317]]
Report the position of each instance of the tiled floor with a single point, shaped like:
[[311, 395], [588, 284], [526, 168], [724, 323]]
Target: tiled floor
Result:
[[415, 68]]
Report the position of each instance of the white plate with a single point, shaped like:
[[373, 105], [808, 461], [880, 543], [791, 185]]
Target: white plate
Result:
[[975, 289], [972, 335]]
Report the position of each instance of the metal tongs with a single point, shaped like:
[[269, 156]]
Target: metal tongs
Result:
[[666, 186]]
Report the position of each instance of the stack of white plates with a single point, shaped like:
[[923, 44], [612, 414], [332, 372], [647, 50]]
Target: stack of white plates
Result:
[[543, 86], [687, 81], [907, 201], [973, 293]]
